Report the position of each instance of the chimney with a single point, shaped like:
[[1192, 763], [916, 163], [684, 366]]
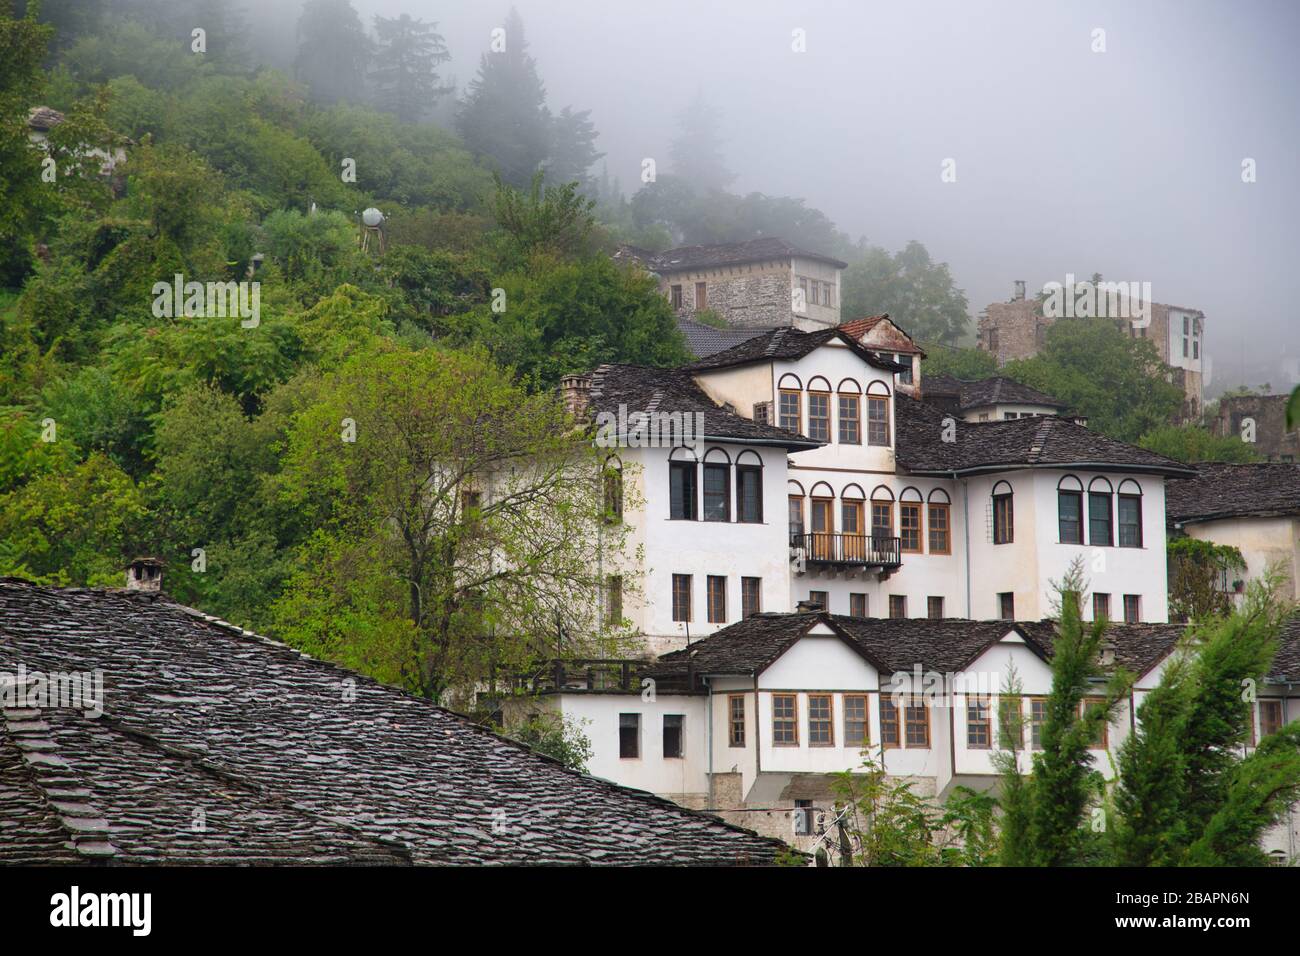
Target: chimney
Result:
[[1020, 291], [1107, 654], [804, 606], [144, 574], [576, 392]]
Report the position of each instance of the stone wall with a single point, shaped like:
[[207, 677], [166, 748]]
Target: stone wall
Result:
[[1268, 412]]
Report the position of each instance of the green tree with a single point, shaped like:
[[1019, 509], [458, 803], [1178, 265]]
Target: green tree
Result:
[[573, 149], [916, 291], [1200, 573], [1186, 795], [333, 50], [1191, 443], [965, 364], [459, 531], [553, 219], [504, 116], [23, 195], [407, 58], [558, 736], [696, 149]]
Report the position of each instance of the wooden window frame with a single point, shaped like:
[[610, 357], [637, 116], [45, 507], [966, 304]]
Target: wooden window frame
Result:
[[850, 401], [854, 597], [1100, 601], [1011, 595], [901, 600], [741, 499], [681, 737], [1119, 519], [888, 504], [675, 296], [828, 720], [915, 507], [734, 723], [878, 402], [865, 721], [701, 296], [1061, 495], [930, 605], [803, 524], [639, 748], [782, 416], [792, 720], [1137, 609], [1110, 519], [1008, 703], [1259, 731], [826, 599], [1004, 518], [689, 581], [946, 508], [890, 727], [713, 467], [715, 584], [1032, 723], [916, 703], [750, 585], [976, 722], [693, 469], [819, 426]]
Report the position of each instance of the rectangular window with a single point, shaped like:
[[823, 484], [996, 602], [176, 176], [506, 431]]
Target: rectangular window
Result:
[[916, 723], [749, 494], [717, 493], [681, 488], [1069, 512], [717, 588], [790, 415], [1007, 606], [751, 596], [882, 519], [819, 416], [674, 725], [850, 420], [1011, 732], [629, 736], [736, 720], [856, 730], [1037, 718], [785, 720], [613, 486], [1130, 521], [851, 525], [905, 376], [888, 722], [822, 527], [701, 296], [1270, 717], [898, 605], [1100, 606], [934, 608], [796, 515], [821, 598], [940, 542], [821, 723], [1099, 520], [614, 600], [979, 723], [1132, 608], [877, 420], [857, 605], [804, 297], [1003, 519], [676, 296], [909, 526], [682, 597]]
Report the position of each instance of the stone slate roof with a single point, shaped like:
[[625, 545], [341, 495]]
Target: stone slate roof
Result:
[[704, 340], [292, 760], [944, 645], [788, 344], [639, 388], [727, 254], [43, 118], [1286, 665], [1218, 490], [1003, 391], [1042, 442]]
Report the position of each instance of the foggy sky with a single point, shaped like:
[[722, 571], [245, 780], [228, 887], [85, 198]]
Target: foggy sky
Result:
[[1126, 162]]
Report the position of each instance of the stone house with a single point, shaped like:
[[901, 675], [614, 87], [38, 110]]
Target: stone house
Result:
[[1261, 421]]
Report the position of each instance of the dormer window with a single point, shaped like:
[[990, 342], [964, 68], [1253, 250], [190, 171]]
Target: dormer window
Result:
[[905, 377]]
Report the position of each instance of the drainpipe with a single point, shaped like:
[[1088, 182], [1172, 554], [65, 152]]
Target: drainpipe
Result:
[[965, 521], [708, 723]]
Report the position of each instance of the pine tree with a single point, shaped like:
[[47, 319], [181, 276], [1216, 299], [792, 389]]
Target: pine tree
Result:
[[504, 115], [333, 50], [696, 151], [406, 66], [573, 149]]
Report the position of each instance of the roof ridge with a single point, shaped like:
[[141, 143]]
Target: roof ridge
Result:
[[1039, 441]]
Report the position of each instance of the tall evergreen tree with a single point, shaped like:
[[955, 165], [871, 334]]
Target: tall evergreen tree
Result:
[[406, 66], [333, 50], [696, 151], [573, 149], [504, 115]]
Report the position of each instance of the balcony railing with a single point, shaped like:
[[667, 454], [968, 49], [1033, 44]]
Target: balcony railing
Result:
[[594, 675], [862, 550]]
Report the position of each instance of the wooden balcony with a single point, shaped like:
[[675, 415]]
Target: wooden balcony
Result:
[[824, 550]]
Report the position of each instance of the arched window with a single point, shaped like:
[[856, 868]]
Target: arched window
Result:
[[819, 409], [939, 521], [821, 520], [878, 414], [717, 485], [1130, 514], [1004, 514], [850, 409], [882, 512], [749, 487], [852, 519], [789, 403], [683, 485], [1069, 509], [612, 483], [1101, 521]]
